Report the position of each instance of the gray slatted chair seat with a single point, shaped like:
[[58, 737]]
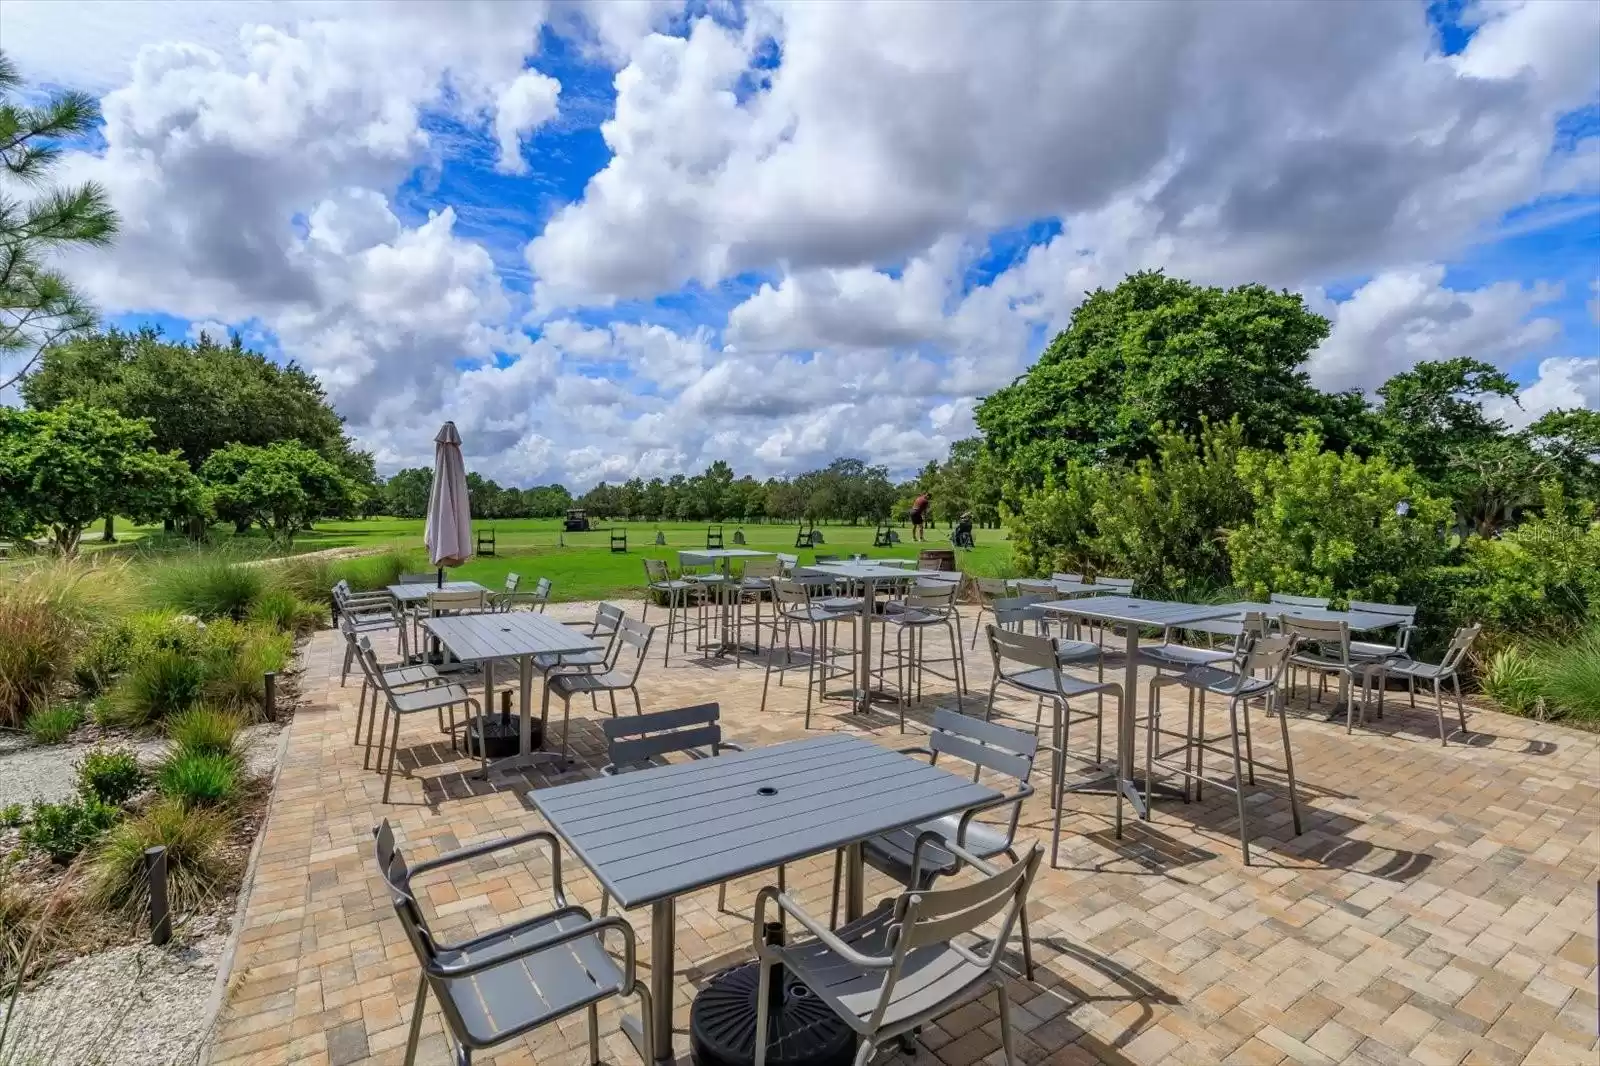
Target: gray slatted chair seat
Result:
[[1363, 649], [1225, 682], [1170, 654], [891, 853], [426, 699], [1077, 651], [832, 605], [1043, 680], [410, 675], [1412, 668], [813, 613], [932, 979], [571, 684], [532, 985], [597, 657]]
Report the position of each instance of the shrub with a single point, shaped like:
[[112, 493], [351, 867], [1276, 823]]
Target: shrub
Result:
[[160, 684], [205, 730], [111, 775], [195, 862], [62, 830], [103, 659], [234, 675], [199, 778], [165, 631], [286, 612], [1569, 676], [52, 725], [208, 586], [367, 572], [48, 611], [1512, 678], [12, 815]]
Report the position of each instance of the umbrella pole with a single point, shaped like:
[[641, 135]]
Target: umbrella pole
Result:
[[441, 577]]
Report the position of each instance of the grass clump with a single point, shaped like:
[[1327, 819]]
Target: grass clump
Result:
[[1569, 676], [161, 684], [286, 612], [199, 778], [53, 725], [1512, 678], [62, 830], [12, 815], [234, 671], [194, 840], [206, 730], [111, 775], [207, 586], [48, 611]]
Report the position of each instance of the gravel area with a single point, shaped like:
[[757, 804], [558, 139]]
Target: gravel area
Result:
[[31, 772], [153, 1008]]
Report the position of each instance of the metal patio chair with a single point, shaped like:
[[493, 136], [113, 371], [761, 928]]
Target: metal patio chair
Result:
[[987, 590], [501, 601], [399, 675], [406, 701], [903, 965], [496, 986], [376, 620], [1256, 673], [640, 742], [612, 677], [1365, 649], [796, 610], [679, 595], [1447, 669], [1325, 652], [915, 859], [928, 605]]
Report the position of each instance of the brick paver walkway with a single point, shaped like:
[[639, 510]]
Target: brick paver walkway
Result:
[[1439, 908]]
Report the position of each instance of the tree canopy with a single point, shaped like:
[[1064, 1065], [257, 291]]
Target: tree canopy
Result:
[[1158, 353], [284, 485]]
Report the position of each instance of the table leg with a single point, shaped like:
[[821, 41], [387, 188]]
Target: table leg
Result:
[[525, 678], [1125, 723], [869, 593], [488, 702], [663, 917], [855, 882]]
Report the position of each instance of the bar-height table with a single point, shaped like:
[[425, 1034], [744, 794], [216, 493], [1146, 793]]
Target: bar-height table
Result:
[[653, 835], [867, 575], [1358, 621], [719, 557], [723, 588], [519, 635], [1130, 613]]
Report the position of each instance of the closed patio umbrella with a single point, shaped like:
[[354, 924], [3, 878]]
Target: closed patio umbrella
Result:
[[449, 530]]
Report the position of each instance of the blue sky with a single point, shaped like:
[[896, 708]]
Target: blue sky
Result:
[[811, 230]]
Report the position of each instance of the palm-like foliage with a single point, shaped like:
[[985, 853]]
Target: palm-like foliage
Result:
[[38, 305]]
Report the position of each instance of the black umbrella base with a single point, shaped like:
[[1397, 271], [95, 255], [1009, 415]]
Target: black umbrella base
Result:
[[800, 1028], [501, 735]]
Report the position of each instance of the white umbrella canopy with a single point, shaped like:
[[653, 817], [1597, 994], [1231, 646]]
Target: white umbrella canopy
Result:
[[448, 534]]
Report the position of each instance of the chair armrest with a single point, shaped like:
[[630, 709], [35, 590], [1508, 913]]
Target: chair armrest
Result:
[[812, 926], [916, 751], [478, 850], [1024, 790], [727, 745]]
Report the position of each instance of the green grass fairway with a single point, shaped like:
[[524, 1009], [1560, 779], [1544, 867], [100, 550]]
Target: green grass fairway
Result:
[[581, 566]]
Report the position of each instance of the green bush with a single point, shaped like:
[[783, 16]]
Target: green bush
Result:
[[52, 725], [164, 631], [368, 572], [196, 864], [161, 684], [234, 674], [1512, 678], [111, 775], [1326, 524], [48, 611], [12, 815], [286, 612], [208, 586], [103, 659], [1569, 676], [199, 778], [62, 830], [205, 730]]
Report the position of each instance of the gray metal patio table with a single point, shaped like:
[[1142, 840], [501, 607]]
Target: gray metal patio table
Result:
[[1358, 621], [723, 558], [867, 575], [419, 592], [488, 638], [1131, 612], [1071, 588], [656, 834]]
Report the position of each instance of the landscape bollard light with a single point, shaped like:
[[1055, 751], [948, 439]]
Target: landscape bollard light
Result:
[[269, 695], [155, 865]]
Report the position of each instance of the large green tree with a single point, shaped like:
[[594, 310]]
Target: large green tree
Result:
[[199, 396], [285, 486], [38, 305], [1161, 352], [63, 468]]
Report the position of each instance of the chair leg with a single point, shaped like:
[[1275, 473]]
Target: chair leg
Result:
[[722, 897], [1005, 1023], [1288, 765], [1152, 726], [383, 735], [638, 708], [415, 1036], [349, 657], [765, 983], [594, 1035], [1027, 942], [1238, 780], [1461, 708], [1438, 702], [611, 694], [1249, 749], [361, 707], [394, 750]]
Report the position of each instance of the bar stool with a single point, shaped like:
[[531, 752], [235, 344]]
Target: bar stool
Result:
[[1264, 656], [679, 596], [927, 606], [792, 601]]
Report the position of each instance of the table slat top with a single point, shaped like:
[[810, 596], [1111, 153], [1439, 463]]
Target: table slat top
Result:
[[1358, 620], [413, 593], [871, 571], [658, 833], [479, 637], [1068, 588], [721, 553], [1131, 610]]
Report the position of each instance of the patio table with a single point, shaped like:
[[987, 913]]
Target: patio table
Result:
[[1068, 588], [719, 585], [718, 557], [1131, 612], [867, 575], [488, 638], [1358, 621], [419, 592], [656, 834]]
